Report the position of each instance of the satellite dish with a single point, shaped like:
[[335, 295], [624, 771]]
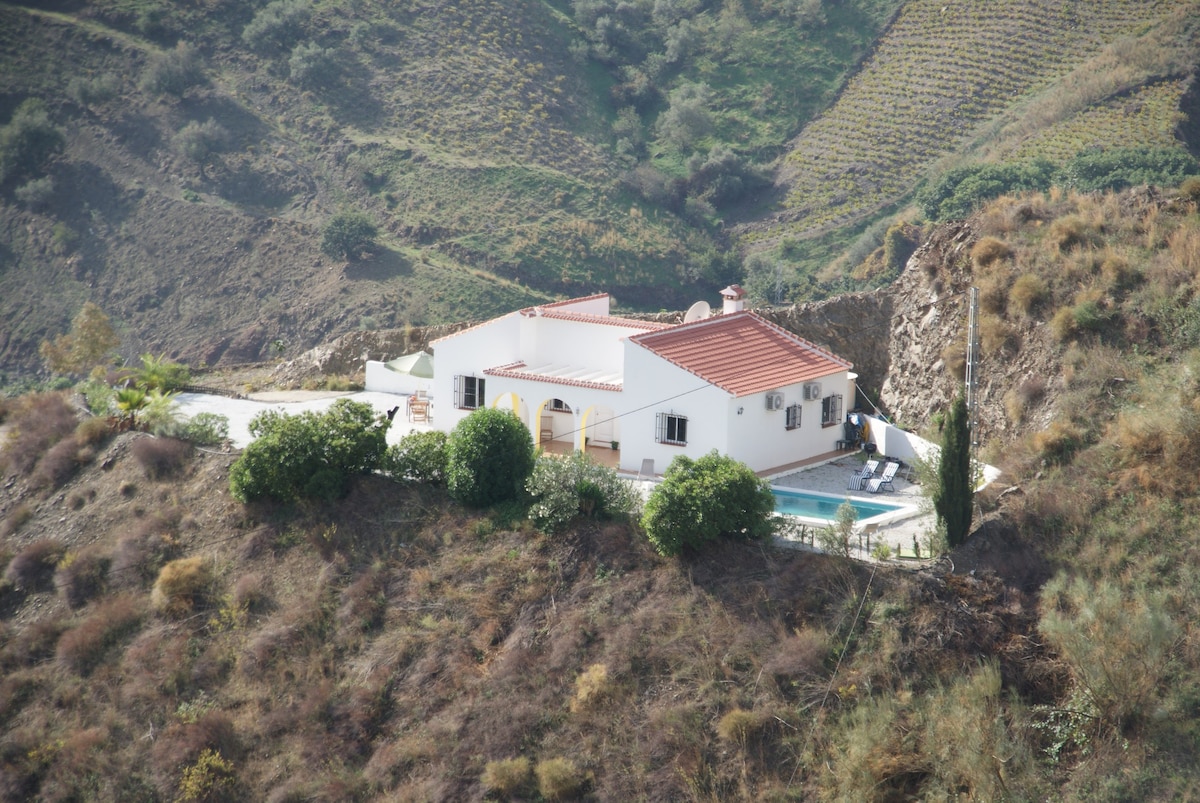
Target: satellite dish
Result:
[[697, 312]]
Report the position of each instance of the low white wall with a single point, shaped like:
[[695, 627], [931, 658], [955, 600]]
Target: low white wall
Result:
[[895, 442], [381, 379]]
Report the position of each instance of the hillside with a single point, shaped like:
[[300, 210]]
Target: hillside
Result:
[[188, 160], [394, 646]]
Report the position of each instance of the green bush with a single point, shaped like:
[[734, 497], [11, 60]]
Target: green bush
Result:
[[1117, 168], [311, 65], [348, 235], [699, 500], [174, 71], [419, 457], [28, 141], [309, 456], [489, 455], [206, 429], [960, 191], [277, 26], [566, 487], [35, 194], [198, 141], [91, 91]]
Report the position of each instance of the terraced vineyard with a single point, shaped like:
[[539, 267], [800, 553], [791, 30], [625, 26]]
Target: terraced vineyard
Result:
[[941, 71], [1148, 116]]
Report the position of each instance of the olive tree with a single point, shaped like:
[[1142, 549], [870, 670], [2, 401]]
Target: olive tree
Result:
[[700, 500], [348, 235]]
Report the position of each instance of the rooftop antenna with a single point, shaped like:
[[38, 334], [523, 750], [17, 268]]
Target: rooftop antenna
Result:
[[697, 312]]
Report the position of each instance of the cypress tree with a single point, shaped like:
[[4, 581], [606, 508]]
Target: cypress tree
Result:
[[954, 497]]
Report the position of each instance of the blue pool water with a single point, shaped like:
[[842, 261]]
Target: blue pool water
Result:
[[819, 506]]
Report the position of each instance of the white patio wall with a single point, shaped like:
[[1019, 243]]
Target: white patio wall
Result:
[[381, 379], [892, 441]]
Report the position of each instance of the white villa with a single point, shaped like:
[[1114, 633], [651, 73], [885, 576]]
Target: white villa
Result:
[[579, 377]]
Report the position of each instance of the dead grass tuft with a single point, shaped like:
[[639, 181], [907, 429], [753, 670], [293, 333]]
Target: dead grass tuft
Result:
[[1028, 292], [509, 776], [1067, 233], [591, 687], [560, 779], [990, 250], [60, 462], [739, 725], [182, 585]]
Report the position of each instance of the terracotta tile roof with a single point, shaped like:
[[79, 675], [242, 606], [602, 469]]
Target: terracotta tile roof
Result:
[[558, 375], [742, 353], [567, 301], [603, 320]]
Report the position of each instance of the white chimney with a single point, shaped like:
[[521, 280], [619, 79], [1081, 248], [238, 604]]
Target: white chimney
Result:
[[733, 298]]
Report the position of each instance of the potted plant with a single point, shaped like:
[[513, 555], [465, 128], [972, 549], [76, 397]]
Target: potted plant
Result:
[[616, 445]]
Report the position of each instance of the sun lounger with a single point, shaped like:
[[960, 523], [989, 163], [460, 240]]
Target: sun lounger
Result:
[[884, 479], [868, 469], [856, 481]]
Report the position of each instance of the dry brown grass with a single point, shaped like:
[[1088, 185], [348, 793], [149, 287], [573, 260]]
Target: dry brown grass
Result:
[[989, 250], [560, 779], [591, 687], [33, 567], [161, 458], [1028, 292], [182, 586], [81, 575], [83, 647], [38, 422], [509, 776]]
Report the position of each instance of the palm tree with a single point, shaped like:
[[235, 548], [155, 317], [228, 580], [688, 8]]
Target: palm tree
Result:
[[129, 402]]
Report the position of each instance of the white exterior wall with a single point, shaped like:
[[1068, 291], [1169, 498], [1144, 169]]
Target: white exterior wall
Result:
[[553, 341], [760, 437], [469, 352], [649, 382], [381, 379], [599, 406]]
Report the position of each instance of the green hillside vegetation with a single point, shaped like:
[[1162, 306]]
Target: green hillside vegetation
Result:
[[507, 153], [952, 84], [160, 641]]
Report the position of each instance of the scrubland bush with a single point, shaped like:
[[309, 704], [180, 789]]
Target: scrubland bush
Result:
[[16, 519], [182, 744], [997, 336], [1059, 442], [174, 71], [591, 686], [210, 779], [993, 291], [91, 91], [35, 194], [567, 487], [1028, 291], [738, 726], [311, 65], [1117, 641], [1067, 233], [559, 779], [197, 141], [92, 431], [1190, 188], [206, 429], [954, 358], [60, 462], [161, 458], [82, 647], [33, 567], [801, 654], [181, 586], [250, 591], [81, 575], [28, 140], [508, 777], [138, 554], [418, 457], [989, 250], [1018, 400], [1062, 325], [38, 422], [1117, 274], [277, 25]]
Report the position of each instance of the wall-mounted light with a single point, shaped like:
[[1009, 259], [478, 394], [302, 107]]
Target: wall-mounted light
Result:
[[739, 411]]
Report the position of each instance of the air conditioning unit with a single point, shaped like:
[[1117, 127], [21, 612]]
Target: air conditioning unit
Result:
[[774, 401], [812, 391]]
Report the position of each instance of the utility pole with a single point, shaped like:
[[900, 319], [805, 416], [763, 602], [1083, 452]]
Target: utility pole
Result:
[[972, 363]]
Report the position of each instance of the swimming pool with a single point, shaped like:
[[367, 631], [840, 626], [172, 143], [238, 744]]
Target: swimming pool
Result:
[[810, 505]]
